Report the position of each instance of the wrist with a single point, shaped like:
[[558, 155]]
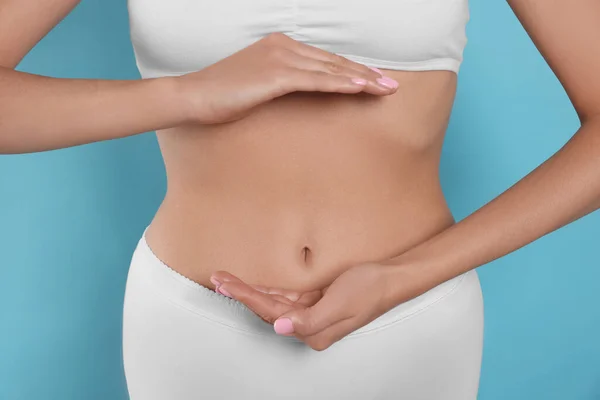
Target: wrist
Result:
[[406, 279], [188, 91], [175, 100]]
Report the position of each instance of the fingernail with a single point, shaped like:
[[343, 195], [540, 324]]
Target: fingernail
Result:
[[223, 291], [387, 81], [377, 70], [359, 81], [215, 282], [283, 326]]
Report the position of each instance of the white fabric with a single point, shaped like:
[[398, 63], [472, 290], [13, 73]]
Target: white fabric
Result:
[[183, 341], [179, 36]]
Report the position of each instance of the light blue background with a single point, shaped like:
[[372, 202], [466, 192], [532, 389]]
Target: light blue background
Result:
[[70, 219]]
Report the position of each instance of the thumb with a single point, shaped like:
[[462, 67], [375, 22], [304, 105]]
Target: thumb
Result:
[[299, 321]]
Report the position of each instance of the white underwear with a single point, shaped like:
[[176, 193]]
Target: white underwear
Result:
[[183, 341]]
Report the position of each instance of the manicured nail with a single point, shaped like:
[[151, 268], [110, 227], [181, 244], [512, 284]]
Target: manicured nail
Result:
[[377, 70], [359, 81], [215, 282], [223, 292], [388, 82], [283, 326]]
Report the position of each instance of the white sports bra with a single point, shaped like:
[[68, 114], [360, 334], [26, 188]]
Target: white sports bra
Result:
[[174, 37]]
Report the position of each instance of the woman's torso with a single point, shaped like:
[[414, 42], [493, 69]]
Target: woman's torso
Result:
[[307, 185], [310, 183]]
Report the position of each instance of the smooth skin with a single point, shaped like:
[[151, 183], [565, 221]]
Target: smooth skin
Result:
[[39, 113], [222, 130], [561, 190], [42, 113]]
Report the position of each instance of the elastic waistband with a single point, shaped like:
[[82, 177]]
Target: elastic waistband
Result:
[[204, 302]]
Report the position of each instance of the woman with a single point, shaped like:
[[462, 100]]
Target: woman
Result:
[[320, 213]]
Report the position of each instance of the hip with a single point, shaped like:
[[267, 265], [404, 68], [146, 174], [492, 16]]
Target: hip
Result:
[[182, 340]]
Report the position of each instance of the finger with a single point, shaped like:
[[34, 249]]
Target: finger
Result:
[[263, 289], [282, 299], [224, 276], [330, 335], [307, 299], [292, 295], [322, 55], [333, 61], [262, 304], [296, 79], [378, 85], [278, 298], [312, 320], [286, 296], [333, 67]]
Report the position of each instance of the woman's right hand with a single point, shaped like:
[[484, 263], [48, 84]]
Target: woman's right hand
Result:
[[269, 68]]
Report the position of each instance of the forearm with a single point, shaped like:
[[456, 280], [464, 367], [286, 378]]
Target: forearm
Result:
[[563, 189], [40, 113]]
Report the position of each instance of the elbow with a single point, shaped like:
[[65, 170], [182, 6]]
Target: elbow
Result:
[[590, 111], [591, 122], [590, 118]]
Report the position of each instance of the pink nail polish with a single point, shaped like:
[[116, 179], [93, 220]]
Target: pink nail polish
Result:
[[377, 70], [283, 326], [215, 282], [387, 81], [359, 81], [223, 292]]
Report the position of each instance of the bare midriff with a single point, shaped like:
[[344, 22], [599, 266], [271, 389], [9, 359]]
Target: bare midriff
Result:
[[307, 185]]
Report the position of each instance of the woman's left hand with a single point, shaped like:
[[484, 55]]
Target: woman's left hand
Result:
[[322, 317]]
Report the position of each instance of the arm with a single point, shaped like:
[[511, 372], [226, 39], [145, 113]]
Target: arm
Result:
[[563, 189], [42, 113], [39, 113]]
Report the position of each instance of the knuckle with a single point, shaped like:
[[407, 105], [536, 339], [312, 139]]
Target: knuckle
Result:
[[275, 53], [281, 75], [340, 60], [305, 327], [333, 67], [321, 76], [319, 344], [280, 79], [275, 38], [358, 74], [279, 56]]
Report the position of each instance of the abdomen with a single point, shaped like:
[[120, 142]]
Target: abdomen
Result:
[[307, 185]]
